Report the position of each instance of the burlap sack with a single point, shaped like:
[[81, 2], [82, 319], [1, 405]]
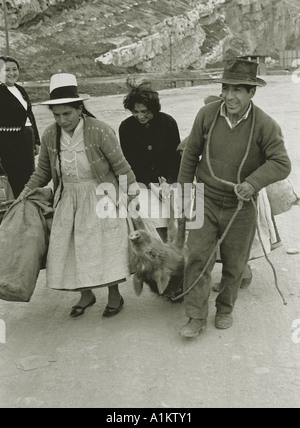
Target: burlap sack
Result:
[[6, 195], [281, 196], [24, 243]]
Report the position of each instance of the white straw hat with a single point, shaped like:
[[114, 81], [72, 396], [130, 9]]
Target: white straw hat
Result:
[[64, 89]]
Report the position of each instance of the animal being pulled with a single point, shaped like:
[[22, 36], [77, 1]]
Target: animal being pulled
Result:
[[158, 264]]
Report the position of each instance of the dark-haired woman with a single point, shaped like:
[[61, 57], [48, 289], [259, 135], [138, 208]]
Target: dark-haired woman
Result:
[[149, 140], [80, 153], [19, 137]]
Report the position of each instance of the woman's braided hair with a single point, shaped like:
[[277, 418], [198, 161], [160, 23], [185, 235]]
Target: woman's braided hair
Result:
[[58, 148], [76, 105]]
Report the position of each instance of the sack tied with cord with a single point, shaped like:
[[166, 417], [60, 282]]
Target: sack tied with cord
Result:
[[24, 236]]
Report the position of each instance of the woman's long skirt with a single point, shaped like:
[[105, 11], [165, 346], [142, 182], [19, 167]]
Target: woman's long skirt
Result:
[[85, 251]]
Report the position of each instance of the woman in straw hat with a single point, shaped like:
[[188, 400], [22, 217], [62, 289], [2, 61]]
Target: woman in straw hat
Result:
[[83, 158]]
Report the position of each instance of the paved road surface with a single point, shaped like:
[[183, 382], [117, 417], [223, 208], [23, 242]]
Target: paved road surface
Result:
[[137, 359]]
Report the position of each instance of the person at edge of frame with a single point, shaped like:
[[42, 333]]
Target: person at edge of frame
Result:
[[19, 136]]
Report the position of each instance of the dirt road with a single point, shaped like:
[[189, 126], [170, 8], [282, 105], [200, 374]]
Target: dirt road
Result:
[[138, 359]]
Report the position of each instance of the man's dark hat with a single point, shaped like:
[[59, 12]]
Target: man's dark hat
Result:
[[240, 71]]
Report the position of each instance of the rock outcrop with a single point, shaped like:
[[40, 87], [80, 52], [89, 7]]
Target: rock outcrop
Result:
[[148, 35], [176, 42]]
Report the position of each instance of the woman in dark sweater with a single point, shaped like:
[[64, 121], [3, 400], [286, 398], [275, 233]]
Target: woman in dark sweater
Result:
[[149, 140], [19, 137]]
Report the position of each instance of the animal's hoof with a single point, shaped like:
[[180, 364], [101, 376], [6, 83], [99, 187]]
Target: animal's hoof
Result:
[[138, 286]]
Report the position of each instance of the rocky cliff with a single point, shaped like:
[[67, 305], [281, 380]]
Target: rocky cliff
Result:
[[143, 35]]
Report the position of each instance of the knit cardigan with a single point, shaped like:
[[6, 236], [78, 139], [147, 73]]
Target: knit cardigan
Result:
[[103, 151], [266, 163]]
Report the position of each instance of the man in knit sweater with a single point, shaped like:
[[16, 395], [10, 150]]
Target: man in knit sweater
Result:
[[235, 149]]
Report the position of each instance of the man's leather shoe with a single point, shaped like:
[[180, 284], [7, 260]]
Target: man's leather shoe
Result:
[[223, 321], [193, 327]]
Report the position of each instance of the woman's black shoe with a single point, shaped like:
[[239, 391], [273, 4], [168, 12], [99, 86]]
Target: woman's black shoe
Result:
[[110, 312], [77, 310]]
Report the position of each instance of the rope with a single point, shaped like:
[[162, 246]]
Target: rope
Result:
[[239, 207], [228, 183], [130, 223], [269, 261], [212, 255]]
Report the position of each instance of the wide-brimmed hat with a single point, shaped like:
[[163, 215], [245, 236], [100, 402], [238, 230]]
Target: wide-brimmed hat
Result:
[[240, 71], [64, 90]]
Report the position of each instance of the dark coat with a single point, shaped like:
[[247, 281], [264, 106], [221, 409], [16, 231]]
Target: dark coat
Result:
[[17, 146], [13, 114], [151, 149]]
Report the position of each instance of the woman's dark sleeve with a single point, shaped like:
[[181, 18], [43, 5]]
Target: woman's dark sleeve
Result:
[[129, 149], [174, 156]]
